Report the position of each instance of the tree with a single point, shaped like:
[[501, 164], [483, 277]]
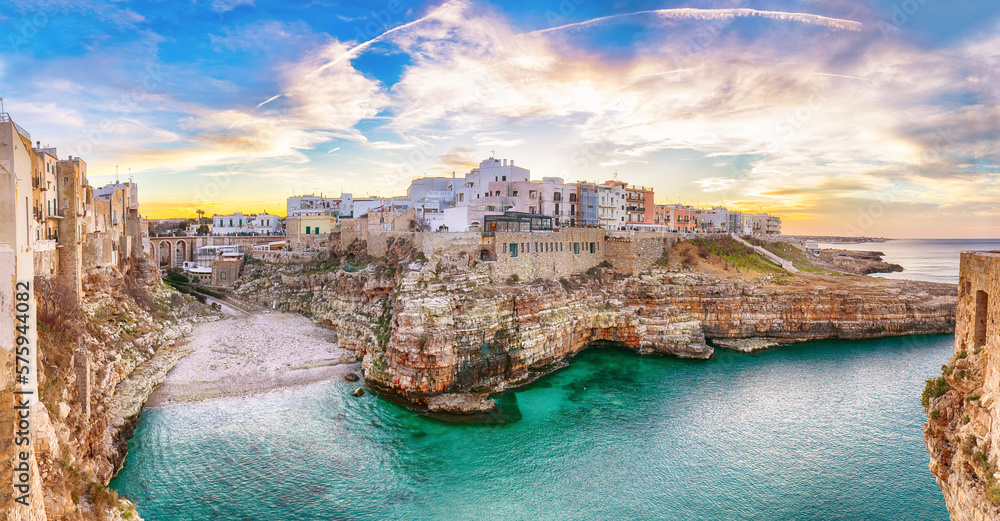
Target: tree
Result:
[[201, 215], [203, 229]]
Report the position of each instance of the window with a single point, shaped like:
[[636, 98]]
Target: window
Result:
[[576, 248], [593, 247], [513, 249], [982, 304], [504, 178], [505, 247], [230, 222], [514, 193], [307, 230], [222, 275], [65, 180]]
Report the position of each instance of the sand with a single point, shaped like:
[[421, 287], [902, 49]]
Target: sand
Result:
[[245, 354]]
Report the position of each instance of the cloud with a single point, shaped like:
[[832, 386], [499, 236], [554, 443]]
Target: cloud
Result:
[[223, 6]]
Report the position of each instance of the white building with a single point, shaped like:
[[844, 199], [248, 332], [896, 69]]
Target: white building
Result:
[[319, 205], [715, 220], [611, 199], [239, 224]]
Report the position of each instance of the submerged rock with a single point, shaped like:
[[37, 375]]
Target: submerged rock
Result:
[[358, 392], [461, 403], [351, 377]]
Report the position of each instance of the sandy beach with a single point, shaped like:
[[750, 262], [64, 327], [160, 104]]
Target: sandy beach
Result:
[[246, 354]]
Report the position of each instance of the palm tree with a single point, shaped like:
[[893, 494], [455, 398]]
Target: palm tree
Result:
[[201, 215]]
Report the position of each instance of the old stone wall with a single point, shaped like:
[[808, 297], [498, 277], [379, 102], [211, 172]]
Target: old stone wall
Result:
[[632, 254], [46, 259], [545, 255], [285, 257], [961, 433]]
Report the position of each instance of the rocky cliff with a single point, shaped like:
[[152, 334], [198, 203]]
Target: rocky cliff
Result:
[[429, 327], [962, 409], [93, 359]]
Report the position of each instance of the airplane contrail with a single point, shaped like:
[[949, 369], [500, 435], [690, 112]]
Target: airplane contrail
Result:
[[842, 76], [719, 14], [357, 49], [332, 151], [269, 100]]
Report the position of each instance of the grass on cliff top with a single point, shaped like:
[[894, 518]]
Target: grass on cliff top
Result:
[[719, 256], [797, 257]]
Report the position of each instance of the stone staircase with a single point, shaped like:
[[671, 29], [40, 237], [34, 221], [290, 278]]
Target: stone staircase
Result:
[[786, 265]]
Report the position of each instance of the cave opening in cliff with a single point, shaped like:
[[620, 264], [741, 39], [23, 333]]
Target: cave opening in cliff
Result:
[[982, 305]]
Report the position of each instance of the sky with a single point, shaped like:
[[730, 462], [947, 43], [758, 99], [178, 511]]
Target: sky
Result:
[[844, 117]]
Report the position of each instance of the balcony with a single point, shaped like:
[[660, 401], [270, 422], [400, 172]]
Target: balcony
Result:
[[5, 117]]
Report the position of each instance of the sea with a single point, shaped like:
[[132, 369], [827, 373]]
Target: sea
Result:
[[823, 430]]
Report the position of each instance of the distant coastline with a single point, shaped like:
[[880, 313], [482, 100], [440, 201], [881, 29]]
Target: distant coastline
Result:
[[832, 239]]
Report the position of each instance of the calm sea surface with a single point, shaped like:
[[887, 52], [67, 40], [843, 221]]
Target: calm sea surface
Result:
[[935, 260], [817, 431]]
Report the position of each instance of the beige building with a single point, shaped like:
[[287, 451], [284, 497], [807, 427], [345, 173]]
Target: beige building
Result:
[[309, 232]]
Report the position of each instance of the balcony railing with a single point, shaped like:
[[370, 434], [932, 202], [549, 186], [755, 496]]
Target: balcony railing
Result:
[[5, 117]]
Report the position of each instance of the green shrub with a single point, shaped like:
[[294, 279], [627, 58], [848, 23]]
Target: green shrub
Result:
[[935, 414], [962, 354], [513, 279], [934, 388]]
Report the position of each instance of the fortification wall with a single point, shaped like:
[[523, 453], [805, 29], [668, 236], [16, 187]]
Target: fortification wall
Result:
[[546, 255], [285, 257]]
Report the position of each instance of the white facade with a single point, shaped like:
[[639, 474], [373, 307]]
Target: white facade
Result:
[[715, 220], [611, 201], [458, 218], [239, 224], [319, 205]]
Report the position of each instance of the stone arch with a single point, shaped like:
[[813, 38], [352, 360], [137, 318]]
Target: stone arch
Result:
[[180, 250], [162, 254]]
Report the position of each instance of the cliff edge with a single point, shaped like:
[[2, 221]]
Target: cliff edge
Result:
[[961, 432], [446, 324]]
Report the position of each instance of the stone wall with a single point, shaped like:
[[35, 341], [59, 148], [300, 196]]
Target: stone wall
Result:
[[961, 433], [46, 259], [285, 257], [545, 255], [632, 254]]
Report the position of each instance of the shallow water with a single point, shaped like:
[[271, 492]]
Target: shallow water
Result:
[[823, 430]]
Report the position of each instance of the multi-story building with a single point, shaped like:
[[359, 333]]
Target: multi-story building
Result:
[[318, 205], [676, 217], [68, 225], [588, 207], [765, 224], [612, 214], [239, 224], [639, 207], [715, 220]]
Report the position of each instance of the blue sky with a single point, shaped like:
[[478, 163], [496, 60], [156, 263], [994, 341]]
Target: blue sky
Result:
[[844, 117]]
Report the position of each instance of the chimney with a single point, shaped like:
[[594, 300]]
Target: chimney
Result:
[[504, 162], [511, 162]]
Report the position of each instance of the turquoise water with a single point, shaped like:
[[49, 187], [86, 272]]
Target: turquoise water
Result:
[[818, 431]]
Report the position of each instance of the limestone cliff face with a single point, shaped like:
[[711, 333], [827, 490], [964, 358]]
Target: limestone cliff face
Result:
[[961, 432], [443, 326], [85, 353]]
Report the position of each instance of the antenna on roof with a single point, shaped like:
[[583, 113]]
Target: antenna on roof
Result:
[[116, 174], [1, 104], [492, 153]]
